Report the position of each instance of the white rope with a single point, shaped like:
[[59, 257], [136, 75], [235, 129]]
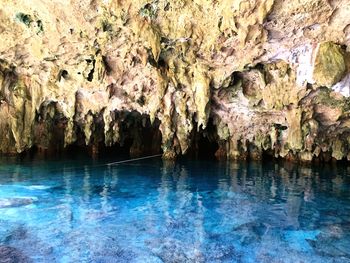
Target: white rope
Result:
[[106, 164], [132, 160]]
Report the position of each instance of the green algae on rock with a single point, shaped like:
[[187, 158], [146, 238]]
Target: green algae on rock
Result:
[[330, 66]]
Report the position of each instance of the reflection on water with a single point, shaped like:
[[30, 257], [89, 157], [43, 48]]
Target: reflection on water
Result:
[[185, 212]]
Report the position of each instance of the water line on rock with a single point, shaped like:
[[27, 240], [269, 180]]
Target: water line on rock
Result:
[[110, 164]]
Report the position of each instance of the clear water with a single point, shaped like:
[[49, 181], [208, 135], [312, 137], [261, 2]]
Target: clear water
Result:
[[193, 211]]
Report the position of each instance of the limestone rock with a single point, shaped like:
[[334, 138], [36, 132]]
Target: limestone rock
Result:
[[269, 75], [330, 65]]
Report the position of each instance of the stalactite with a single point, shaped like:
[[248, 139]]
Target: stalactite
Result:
[[141, 70]]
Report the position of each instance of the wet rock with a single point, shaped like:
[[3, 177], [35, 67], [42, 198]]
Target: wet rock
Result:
[[171, 250], [327, 248], [18, 233], [172, 253], [12, 255], [251, 232], [299, 239], [222, 253], [333, 241], [113, 253]]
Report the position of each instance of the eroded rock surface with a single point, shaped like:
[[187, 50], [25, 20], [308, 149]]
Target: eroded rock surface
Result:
[[272, 76]]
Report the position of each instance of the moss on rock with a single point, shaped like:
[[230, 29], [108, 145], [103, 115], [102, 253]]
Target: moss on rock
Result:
[[330, 66]]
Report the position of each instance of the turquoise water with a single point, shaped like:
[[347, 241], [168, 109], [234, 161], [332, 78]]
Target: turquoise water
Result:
[[191, 211]]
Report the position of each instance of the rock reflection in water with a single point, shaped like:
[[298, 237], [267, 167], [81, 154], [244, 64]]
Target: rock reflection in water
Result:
[[177, 212]]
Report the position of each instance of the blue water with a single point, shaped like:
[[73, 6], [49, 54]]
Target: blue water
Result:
[[191, 211]]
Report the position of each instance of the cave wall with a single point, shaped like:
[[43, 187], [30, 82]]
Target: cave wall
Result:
[[271, 75]]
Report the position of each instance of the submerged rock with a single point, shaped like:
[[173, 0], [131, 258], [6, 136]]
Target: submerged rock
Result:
[[12, 255], [157, 75], [21, 236], [333, 241], [16, 202], [222, 253], [299, 239], [173, 250]]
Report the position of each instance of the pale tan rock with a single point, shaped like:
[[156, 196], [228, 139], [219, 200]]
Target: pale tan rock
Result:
[[253, 68]]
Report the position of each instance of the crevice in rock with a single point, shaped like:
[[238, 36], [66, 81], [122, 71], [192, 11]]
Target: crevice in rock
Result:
[[91, 73], [62, 74], [106, 65], [48, 131]]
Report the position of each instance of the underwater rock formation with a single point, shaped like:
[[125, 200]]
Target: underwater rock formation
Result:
[[271, 76], [15, 202], [12, 255]]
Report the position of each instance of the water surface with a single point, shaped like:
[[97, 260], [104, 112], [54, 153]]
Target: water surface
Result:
[[191, 211]]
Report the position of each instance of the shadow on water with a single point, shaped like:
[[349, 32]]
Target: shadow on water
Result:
[[188, 211]]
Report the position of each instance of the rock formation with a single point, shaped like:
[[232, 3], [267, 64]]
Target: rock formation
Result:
[[12, 255], [271, 76]]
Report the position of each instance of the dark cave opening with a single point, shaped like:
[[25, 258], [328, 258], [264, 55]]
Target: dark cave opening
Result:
[[204, 143], [137, 136]]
